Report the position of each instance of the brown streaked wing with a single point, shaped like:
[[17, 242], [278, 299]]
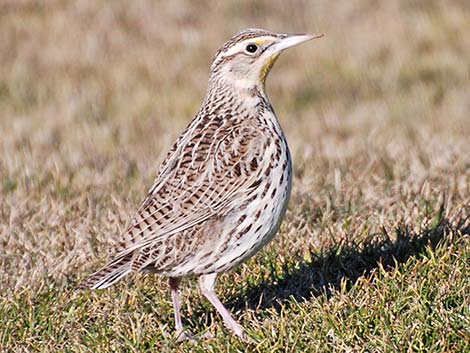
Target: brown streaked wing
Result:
[[208, 170]]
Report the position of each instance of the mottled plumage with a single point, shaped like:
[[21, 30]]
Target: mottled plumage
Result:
[[221, 192]]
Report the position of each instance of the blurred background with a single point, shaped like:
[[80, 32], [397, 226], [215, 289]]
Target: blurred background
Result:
[[377, 115], [93, 93]]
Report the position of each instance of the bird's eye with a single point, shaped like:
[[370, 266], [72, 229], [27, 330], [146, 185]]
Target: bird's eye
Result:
[[251, 48]]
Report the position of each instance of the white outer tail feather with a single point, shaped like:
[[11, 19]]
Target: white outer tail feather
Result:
[[109, 274], [111, 278]]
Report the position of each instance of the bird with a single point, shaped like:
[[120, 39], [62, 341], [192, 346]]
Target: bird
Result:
[[222, 190]]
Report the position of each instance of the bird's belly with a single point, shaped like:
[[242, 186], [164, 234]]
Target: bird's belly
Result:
[[261, 220]]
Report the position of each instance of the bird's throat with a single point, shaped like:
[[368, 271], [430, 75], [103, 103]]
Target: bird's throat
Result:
[[267, 67]]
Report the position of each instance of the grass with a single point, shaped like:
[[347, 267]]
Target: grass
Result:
[[373, 255]]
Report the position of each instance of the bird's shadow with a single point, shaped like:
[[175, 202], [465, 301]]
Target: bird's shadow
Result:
[[342, 264]]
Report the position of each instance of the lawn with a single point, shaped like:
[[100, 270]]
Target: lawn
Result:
[[374, 252]]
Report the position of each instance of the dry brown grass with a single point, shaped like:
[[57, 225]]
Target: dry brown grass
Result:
[[377, 114]]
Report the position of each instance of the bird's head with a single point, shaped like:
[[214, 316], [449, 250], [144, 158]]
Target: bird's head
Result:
[[246, 59]]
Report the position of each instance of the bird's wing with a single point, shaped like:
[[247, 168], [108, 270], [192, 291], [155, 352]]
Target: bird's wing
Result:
[[206, 170]]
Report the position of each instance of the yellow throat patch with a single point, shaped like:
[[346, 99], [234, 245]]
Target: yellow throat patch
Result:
[[267, 67]]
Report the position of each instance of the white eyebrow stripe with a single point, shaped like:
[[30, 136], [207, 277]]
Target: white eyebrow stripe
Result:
[[241, 46]]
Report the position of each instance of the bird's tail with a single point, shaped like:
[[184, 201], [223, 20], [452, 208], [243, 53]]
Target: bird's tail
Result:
[[109, 274]]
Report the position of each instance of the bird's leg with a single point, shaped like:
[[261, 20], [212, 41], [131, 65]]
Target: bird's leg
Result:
[[207, 284], [175, 296]]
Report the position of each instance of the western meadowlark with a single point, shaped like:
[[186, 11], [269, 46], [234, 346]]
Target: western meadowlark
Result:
[[222, 190]]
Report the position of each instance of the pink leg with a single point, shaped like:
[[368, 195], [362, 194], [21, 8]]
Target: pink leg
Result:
[[207, 284], [174, 284]]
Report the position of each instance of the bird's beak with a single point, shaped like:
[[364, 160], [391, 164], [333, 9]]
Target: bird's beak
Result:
[[292, 40]]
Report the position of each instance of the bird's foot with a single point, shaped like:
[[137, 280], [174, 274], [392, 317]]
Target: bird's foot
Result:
[[183, 336], [239, 331], [207, 335]]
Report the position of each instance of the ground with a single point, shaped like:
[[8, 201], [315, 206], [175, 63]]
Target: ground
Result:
[[373, 254]]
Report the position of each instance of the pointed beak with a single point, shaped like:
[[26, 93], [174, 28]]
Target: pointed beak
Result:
[[292, 40]]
